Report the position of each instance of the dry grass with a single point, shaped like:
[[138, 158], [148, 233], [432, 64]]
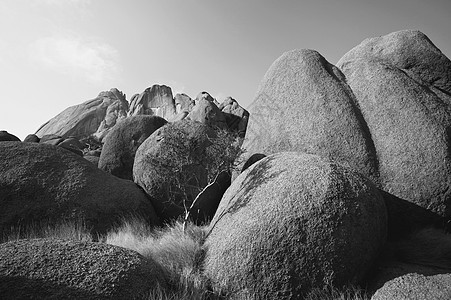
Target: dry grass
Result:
[[347, 293], [70, 230], [179, 252]]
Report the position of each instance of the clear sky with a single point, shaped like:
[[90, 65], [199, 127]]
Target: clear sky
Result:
[[59, 53]]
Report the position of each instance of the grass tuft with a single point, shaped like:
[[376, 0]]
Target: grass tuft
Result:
[[69, 230], [179, 253]]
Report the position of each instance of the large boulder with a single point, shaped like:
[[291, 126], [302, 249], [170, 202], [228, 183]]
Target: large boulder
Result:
[[84, 119], [292, 222], [402, 85], [5, 136], [169, 166], [120, 145], [61, 269], [416, 287], [156, 101], [46, 184], [236, 116], [304, 104], [206, 112]]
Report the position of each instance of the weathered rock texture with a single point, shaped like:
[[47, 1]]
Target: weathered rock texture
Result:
[[416, 287], [183, 103], [84, 119], [59, 269], [236, 116], [120, 145], [304, 104], [156, 101], [176, 148], [292, 222], [206, 112], [386, 114], [46, 184], [402, 83]]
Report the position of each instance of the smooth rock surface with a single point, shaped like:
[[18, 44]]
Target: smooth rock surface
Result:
[[84, 119], [304, 104]]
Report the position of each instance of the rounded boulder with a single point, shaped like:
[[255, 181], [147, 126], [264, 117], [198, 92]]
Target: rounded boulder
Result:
[[42, 183], [416, 287], [120, 145], [62, 269], [293, 222], [169, 166]]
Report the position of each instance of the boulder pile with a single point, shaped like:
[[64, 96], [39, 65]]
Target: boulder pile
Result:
[[345, 180]]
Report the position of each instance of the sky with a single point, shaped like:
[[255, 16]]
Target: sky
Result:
[[59, 53]]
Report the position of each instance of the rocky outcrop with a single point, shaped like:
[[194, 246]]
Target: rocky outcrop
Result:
[[84, 119], [292, 222], [304, 104], [120, 145], [42, 183], [402, 86], [236, 116], [155, 101], [61, 269], [386, 114], [5, 136], [115, 112], [206, 112], [169, 166], [205, 96], [183, 103]]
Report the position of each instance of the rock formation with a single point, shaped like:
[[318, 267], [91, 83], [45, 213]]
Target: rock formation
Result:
[[292, 222], [236, 116], [183, 103], [42, 183], [394, 92], [304, 104], [5, 136], [402, 86], [206, 112], [84, 119], [120, 145], [416, 287], [169, 166], [155, 101], [61, 269]]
